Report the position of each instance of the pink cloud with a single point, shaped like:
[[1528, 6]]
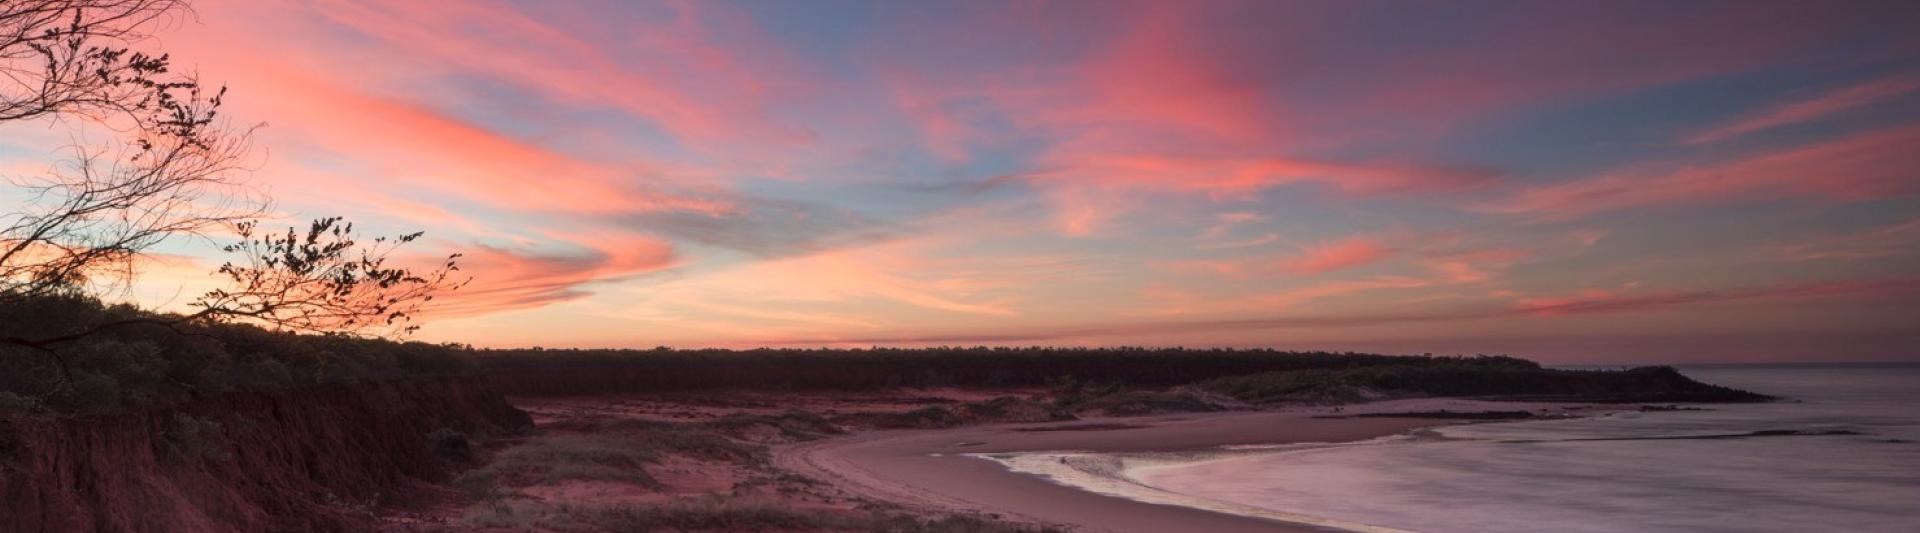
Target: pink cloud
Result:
[[671, 69], [1328, 256], [1262, 240], [1176, 302], [333, 99], [1444, 256], [1592, 304], [1530, 56], [1093, 185], [1217, 267], [1475, 266], [1159, 107], [1224, 100], [1234, 176], [511, 278], [945, 128], [1871, 165], [408, 143], [501, 124], [1609, 302], [1342, 254], [1820, 106], [1892, 240], [341, 141], [1226, 222]]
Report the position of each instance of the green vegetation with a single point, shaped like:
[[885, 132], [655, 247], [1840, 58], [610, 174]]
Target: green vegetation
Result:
[[620, 451], [617, 451], [554, 459], [793, 425], [536, 371], [192, 439], [146, 365], [1113, 399], [170, 167]]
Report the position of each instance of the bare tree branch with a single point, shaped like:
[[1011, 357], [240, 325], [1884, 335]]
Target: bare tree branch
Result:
[[323, 280], [178, 173], [73, 57]]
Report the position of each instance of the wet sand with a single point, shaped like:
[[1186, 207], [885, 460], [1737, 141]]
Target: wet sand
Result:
[[930, 469]]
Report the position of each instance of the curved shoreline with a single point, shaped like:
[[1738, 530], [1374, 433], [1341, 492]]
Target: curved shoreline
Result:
[[1124, 475], [945, 471], [1114, 475]]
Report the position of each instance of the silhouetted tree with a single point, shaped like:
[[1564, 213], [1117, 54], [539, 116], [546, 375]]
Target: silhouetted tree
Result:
[[176, 172], [324, 281], [73, 57]]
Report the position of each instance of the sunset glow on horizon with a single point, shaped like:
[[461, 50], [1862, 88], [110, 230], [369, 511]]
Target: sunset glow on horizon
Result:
[[1598, 182]]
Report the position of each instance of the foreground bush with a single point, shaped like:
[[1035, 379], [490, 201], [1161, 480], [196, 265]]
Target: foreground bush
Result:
[[144, 365]]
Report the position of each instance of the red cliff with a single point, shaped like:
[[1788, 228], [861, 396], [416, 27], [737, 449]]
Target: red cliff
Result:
[[307, 460]]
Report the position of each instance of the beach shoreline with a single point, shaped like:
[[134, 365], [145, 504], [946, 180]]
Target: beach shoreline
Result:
[[1027, 472]]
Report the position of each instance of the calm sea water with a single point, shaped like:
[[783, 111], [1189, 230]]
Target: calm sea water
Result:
[[1477, 478]]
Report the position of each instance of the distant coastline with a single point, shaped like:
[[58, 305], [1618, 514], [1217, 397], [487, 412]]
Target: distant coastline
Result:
[[859, 440]]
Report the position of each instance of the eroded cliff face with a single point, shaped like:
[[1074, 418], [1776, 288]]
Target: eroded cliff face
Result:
[[305, 460]]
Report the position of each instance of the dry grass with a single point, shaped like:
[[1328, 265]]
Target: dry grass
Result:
[[621, 451], [619, 454]]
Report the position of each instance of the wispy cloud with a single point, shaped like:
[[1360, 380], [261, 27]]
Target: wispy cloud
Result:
[[1902, 238], [1541, 310], [1336, 255], [1875, 164], [511, 279], [675, 172], [1621, 303], [1817, 107]]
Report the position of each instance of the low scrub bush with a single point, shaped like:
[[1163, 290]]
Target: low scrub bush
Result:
[[192, 439], [148, 365]]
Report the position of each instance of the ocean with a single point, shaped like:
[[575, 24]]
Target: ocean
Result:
[[1851, 462]]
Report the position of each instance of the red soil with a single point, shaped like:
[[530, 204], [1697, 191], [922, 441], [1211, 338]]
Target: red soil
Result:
[[318, 459]]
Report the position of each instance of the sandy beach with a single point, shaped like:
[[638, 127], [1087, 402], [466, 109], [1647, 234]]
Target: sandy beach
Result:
[[942, 469]]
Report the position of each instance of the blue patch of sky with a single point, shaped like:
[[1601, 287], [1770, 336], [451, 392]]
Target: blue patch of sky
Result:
[[1651, 125], [575, 130], [828, 34], [1699, 241]]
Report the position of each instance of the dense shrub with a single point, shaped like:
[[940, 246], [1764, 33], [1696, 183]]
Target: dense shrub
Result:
[[592, 371], [143, 364], [191, 439]]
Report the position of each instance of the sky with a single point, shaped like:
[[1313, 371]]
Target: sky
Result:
[[1576, 182]]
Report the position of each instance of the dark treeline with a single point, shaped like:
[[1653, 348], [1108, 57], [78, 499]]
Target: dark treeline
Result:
[[153, 364], [551, 372], [141, 365], [1643, 384]]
